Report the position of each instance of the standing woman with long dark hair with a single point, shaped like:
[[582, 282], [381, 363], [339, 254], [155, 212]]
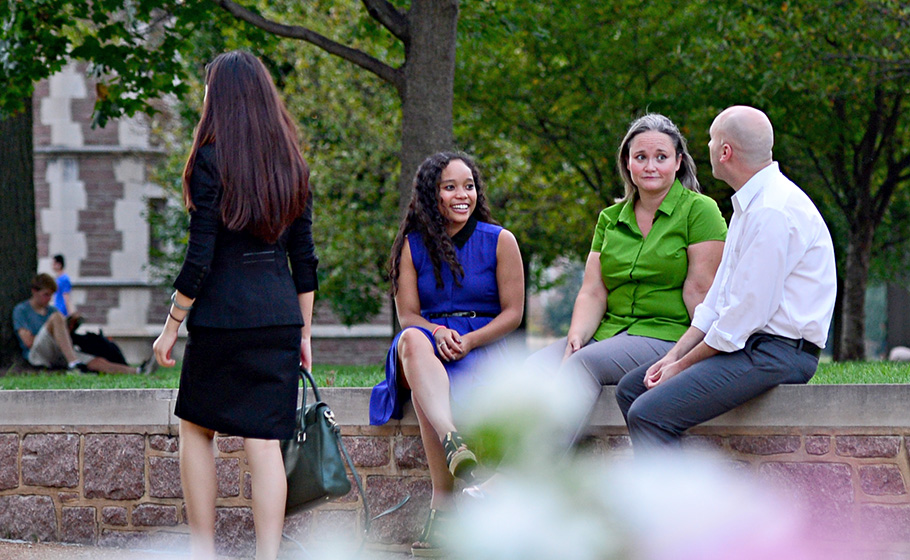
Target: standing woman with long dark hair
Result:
[[246, 293]]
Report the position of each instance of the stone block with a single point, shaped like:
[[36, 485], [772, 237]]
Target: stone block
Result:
[[228, 473], [114, 515], [113, 538], [247, 486], [154, 515], [28, 518], [764, 445], [818, 445], [824, 491], [867, 446], [9, 461], [66, 497], [114, 466], [229, 444], [50, 460], [403, 525], [882, 480], [354, 494], [704, 443], [234, 533], [880, 523], [77, 525], [368, 451], [409, 453], [167, 444], [617, 443], [335, 525], [602, 446], [164, 477], [166, 544]]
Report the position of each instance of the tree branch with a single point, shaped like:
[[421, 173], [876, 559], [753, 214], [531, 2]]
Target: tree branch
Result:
[[393, 20], [391, 75]]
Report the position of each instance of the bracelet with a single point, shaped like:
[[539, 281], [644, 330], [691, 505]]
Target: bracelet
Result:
[[171, 315], [177, 305], [436, 329]]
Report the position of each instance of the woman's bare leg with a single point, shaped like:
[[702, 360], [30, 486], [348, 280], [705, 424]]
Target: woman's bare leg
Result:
[[269, 494], [200, 486]]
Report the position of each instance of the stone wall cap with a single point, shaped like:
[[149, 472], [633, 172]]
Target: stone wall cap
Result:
[[822, 406]]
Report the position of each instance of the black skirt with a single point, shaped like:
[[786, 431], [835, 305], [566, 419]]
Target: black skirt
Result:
[[241, 382]]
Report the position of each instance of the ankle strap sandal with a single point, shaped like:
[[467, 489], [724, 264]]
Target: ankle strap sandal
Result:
[[460, 460], [432, 540]]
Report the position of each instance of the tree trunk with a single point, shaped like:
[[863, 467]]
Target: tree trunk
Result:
[[856, 276], [836, 335], [19, 253], [428, 96]]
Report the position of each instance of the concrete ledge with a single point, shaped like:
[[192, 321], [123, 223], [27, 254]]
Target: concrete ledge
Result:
[[820, 406], [102, 467]]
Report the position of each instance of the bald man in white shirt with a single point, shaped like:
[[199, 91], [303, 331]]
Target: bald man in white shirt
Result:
[[765, 319]]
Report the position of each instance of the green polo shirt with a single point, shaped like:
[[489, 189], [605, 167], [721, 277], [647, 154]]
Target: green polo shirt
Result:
[[644, 276]]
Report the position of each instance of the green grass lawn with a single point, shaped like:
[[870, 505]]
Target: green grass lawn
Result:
[[367, 376], [830, 373], [326, 376]]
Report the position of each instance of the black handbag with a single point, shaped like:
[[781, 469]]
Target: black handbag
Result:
[[312, 460]]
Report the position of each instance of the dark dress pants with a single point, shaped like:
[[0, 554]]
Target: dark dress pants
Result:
[[658, 417]]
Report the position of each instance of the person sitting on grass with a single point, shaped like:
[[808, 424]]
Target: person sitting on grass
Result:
[[45, 338]]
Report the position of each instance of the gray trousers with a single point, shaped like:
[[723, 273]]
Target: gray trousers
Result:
[[598, 363], [658, 417]]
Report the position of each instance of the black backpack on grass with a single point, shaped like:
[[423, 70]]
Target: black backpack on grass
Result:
[[98, 345]]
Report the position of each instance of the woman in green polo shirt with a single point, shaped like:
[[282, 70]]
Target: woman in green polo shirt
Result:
[[652, 260]]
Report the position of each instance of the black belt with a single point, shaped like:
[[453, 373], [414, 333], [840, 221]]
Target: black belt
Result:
[[800, 344], [470, 314]]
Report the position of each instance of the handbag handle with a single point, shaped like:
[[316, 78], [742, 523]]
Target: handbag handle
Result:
[[304, 376]]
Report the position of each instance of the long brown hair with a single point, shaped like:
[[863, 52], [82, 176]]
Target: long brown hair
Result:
[[423, 216], [264, 178], [657, 123]]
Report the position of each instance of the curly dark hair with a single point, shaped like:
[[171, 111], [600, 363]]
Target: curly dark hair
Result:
[[423, 216]]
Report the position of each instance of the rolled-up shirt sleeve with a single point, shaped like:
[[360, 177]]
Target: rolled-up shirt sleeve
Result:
[[753, 289], [205, 190], [302, 251]]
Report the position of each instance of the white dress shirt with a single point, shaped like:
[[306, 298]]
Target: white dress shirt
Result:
[[777, 273]]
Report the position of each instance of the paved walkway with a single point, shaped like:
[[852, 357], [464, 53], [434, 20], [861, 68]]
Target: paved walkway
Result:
[[18, 550]]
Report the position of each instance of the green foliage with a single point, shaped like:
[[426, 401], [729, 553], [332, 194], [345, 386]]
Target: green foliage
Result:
[[832, 77], [134, 46], [558, 308], [350, 121], [546, 91]]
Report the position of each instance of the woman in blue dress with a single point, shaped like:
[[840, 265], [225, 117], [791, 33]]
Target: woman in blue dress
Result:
[[458, 284]]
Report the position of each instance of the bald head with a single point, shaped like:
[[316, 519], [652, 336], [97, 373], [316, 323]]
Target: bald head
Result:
[[749, 133]]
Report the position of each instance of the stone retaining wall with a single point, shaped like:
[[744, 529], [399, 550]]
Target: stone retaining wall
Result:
[[102, 467]]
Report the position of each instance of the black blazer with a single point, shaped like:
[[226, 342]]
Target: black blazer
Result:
[[237, 279]]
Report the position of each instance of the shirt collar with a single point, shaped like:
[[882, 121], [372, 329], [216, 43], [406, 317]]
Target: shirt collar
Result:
[[460, 239], [672, 198], [747, 193], [627, 214]]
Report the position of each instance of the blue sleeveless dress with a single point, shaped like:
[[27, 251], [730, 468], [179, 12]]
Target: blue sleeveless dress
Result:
[[478, 292]]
